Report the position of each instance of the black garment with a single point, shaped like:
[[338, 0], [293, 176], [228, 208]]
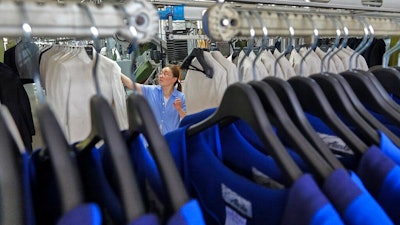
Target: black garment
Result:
[[10, 60], [375, 56], [14, 96]]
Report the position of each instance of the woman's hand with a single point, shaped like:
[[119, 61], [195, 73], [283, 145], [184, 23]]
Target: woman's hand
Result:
[[178, 106]]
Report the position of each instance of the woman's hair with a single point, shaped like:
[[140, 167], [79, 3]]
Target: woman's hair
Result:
[[176, 72]]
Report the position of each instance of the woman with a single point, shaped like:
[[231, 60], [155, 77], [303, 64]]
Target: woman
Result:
[[167, 102]]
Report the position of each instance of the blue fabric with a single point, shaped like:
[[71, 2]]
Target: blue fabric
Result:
[[389, 148], [46, 199], [388, 124], [148, 219], [167, 117], [307, 205], [262, 205], [88, 214], [354, 205], [29, 210], [189, 214], [381, 176], [96, 186]]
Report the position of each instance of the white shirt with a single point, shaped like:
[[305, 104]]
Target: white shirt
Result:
[[313, 62], [295, 61], [232, 73], [287, 69], [269, 63], [71, 87], [202, 92], [321, 54]]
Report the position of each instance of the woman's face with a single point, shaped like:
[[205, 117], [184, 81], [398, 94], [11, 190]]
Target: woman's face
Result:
[[166, 78]]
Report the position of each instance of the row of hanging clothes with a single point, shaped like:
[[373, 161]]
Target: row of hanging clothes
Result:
[[96, 177], [319, 148], [203, 93], [80, 183]]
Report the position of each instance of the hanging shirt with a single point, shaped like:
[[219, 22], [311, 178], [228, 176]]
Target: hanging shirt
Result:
[[321, 54], [240, 201], [295, 60], [378, 172], [152, 187], [232, 72], [253, 165], [70, 87], [313, 61], [14, 96], [164, 111], [202, 92], [269, 63], [287, 69]]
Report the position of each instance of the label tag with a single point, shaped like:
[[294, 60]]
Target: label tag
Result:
[[336, 144], [236, 201], [264, 180], [233, 218]]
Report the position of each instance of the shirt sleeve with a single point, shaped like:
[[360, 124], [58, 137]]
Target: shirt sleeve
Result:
[[119, 99]]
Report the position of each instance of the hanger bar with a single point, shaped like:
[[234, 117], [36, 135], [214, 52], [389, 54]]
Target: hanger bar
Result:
[[68, 19], [224, 22]]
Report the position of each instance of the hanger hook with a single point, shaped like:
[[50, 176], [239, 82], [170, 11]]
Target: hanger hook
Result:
[[249, 46], [264, 41], [344, 42], [313, 45], [95, 37], [134, 44], [27, 38], [388, 53], [335, 43], [289, 46], [362, 44], [369, 42]]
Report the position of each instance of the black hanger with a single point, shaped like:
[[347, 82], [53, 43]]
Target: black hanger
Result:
[[68, 181], [65, 167], [289, 132], [358, 105], [292, 106], [199, 55], [105, 127], [388, 77], [142, 121], [341, 104], [370, 96], [252, 112], [313, 101], [339, 100], [12, 194]]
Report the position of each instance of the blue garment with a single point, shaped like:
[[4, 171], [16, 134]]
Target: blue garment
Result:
[[165, 113], [245, 159], [354, 204], [152, 187], [26, 177], [97, 187], [189, 214], [88, 214], [226, 196], [389, 148], [46, 200], [377, 171], [381, 176], [148, 219]]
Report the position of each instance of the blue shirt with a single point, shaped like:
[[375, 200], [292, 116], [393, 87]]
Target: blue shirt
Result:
[[226, 196], [167, 117]]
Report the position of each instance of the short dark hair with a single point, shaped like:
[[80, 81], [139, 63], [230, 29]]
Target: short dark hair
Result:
[[176, 72]]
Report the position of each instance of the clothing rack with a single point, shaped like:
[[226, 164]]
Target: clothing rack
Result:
[[224, 22], [51, 19]]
